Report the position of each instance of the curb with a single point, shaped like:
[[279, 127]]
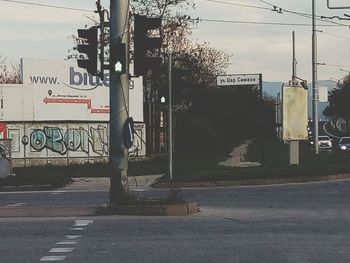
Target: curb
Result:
[[77, 211], [252, 182], [151, 210]]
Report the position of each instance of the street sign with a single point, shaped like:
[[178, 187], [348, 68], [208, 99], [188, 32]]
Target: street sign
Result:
[[237, 80]]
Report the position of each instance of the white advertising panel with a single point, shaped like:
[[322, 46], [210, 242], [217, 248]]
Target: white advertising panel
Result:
[[16, 103], [238, 80], [295, 110], [136, 98], [63, 91], [323, 94]]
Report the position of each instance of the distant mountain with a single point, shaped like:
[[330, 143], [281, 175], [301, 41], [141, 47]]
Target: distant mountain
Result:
[[272, 89]]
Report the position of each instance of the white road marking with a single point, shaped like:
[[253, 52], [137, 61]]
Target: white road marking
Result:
[[71, 240], [79, 223], [16, 204], [53, 258], [73, 236], [61, 249], [66, 243], [138, 190], [58, 192], [77, 229]]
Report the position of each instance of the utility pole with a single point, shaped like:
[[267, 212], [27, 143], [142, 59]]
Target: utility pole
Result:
[[119, 100], [170, 122], [314, 78], [294, 145], [294, 66]]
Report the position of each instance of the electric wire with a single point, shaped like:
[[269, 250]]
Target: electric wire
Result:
[[242, 5], [50, 6], [331, 34], [276, 8], [319, 18], [335, 65], [256, 22]]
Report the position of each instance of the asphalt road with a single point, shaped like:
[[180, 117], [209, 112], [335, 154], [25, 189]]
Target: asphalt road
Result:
[[285, 223]]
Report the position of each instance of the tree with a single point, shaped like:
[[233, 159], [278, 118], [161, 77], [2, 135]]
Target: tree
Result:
[[10, 75], [339, 100]]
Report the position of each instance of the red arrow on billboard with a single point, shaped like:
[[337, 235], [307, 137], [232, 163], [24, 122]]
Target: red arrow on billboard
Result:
[[47, 100]]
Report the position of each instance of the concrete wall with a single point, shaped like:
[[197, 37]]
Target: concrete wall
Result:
[[59, 143]]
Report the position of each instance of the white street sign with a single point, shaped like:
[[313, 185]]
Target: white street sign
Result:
[[238, 80]]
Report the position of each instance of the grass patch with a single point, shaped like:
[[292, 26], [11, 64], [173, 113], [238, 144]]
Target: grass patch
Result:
[[185, 166], [192, 168], [200, 167], [57, 176], [276, 159]]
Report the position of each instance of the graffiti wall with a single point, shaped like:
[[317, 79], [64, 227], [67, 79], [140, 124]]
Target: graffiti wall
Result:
[[36, 144]]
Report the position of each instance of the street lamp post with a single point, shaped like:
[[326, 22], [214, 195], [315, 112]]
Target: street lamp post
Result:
[[170, 121]]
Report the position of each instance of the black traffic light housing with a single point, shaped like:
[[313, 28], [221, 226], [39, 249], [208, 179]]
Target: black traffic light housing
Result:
[[89, 48], [144, 43]]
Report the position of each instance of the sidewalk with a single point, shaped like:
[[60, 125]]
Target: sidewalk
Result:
[[151, 208], [237, 157]]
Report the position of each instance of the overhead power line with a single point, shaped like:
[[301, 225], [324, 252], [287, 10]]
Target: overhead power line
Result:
[[50, 6], [256, 22], [331, 34], [307, 15], [278, 10], [334, 65], [242, 5]]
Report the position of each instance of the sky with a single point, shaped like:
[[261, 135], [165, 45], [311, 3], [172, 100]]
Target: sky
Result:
[[40, 32]]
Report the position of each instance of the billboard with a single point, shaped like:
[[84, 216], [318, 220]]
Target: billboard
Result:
[[16, 103], [61, 91], [294, 112]]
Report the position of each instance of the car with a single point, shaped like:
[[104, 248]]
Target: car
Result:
[[344, 144], [324, 143]]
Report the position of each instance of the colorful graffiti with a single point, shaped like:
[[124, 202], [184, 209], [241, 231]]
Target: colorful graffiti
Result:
[[64, 143], [3, 131], [72, 139]]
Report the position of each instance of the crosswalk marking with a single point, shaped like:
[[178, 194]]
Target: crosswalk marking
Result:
[[61, 249], [66, 243], [70, 240], [80, 223], [73, 236], [53, 258], [76, 228]]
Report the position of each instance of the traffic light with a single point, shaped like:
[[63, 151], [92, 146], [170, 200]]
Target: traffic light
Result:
[[89, 48], [143, 43], [118, 58]]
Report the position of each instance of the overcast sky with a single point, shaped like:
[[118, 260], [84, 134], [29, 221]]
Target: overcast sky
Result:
[[40, 32]]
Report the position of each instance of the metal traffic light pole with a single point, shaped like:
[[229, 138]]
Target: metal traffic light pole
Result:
[[119, 101]]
